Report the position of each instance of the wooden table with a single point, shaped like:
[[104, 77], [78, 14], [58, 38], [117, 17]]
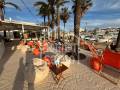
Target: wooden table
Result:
[[58, 71]]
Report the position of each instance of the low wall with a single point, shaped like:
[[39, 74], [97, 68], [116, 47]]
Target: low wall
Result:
[[2, 48]]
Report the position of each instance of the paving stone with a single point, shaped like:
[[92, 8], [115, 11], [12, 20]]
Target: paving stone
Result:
[[77, 77]]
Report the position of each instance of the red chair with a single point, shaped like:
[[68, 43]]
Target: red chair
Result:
[[57, 71], [111, 58], [30, 43], [48, 60], [36, 52]]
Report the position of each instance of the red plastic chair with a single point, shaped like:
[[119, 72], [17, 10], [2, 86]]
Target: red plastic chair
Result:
[[111, 58], [36, 52], [48, 60], [30, 43]]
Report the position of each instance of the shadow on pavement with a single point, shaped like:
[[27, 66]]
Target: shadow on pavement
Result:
[[50, 53], [75, 56], [29, 71], [25, 74], [19, 79], [107, 72], [7, 54]]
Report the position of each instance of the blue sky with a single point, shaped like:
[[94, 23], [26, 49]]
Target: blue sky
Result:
[[103, 13]]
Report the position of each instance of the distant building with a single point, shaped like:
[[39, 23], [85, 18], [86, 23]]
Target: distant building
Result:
[[81, 30]]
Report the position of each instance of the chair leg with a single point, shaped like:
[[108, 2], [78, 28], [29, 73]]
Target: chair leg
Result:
[[54, 77], [59, 76]]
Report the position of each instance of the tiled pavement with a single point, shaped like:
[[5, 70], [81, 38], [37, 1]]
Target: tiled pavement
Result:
[[78, 77]]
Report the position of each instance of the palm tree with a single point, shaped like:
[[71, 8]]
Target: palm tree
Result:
[[52, 10], [50, 4], [118, 42], [58, 4], [65, 14], [79, 9], [44, 10], [53, 5], [3, 4]]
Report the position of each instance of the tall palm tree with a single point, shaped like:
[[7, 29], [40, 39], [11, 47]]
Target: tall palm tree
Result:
[[58, 4], [118, 42], [79, 9], [65, 14], [3, 4], [44, 10], [54, 6], [52, 10]]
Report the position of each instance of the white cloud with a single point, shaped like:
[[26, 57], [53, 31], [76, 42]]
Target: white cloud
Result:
[[105, 5], [102, 23]]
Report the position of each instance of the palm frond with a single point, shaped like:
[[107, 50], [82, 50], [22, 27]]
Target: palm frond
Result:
[[2, 1], [73, 1], [12, 4], [65, 15], [60, 3], [39, 3], [84, 5], [64, 2]]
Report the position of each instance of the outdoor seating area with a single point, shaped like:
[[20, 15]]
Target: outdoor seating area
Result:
[[59, 45], [45, 77], [42, 63], [45, 58]]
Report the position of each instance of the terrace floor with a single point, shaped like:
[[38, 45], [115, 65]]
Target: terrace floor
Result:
[[79, 76]]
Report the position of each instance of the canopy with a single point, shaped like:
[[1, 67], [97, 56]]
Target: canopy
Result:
[[14, 25]]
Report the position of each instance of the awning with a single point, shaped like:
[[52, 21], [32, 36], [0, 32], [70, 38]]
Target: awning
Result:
[[7, 25]]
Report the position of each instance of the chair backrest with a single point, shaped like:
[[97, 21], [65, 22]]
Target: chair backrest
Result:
[[48, 60], [36, 52], [111, 58], [30, 43]]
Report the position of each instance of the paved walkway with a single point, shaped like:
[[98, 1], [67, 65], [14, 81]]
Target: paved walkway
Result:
[[78, 77]]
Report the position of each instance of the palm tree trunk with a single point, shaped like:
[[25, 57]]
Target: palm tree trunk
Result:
[[51, 2], [48, 20], [44, 19], [2, 18], [58, 23], [63, 32], [53, 32], [118, 42], [5, 35], [1, 14], [77, 18]]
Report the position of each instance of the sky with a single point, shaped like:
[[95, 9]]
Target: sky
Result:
[[103, 14]]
